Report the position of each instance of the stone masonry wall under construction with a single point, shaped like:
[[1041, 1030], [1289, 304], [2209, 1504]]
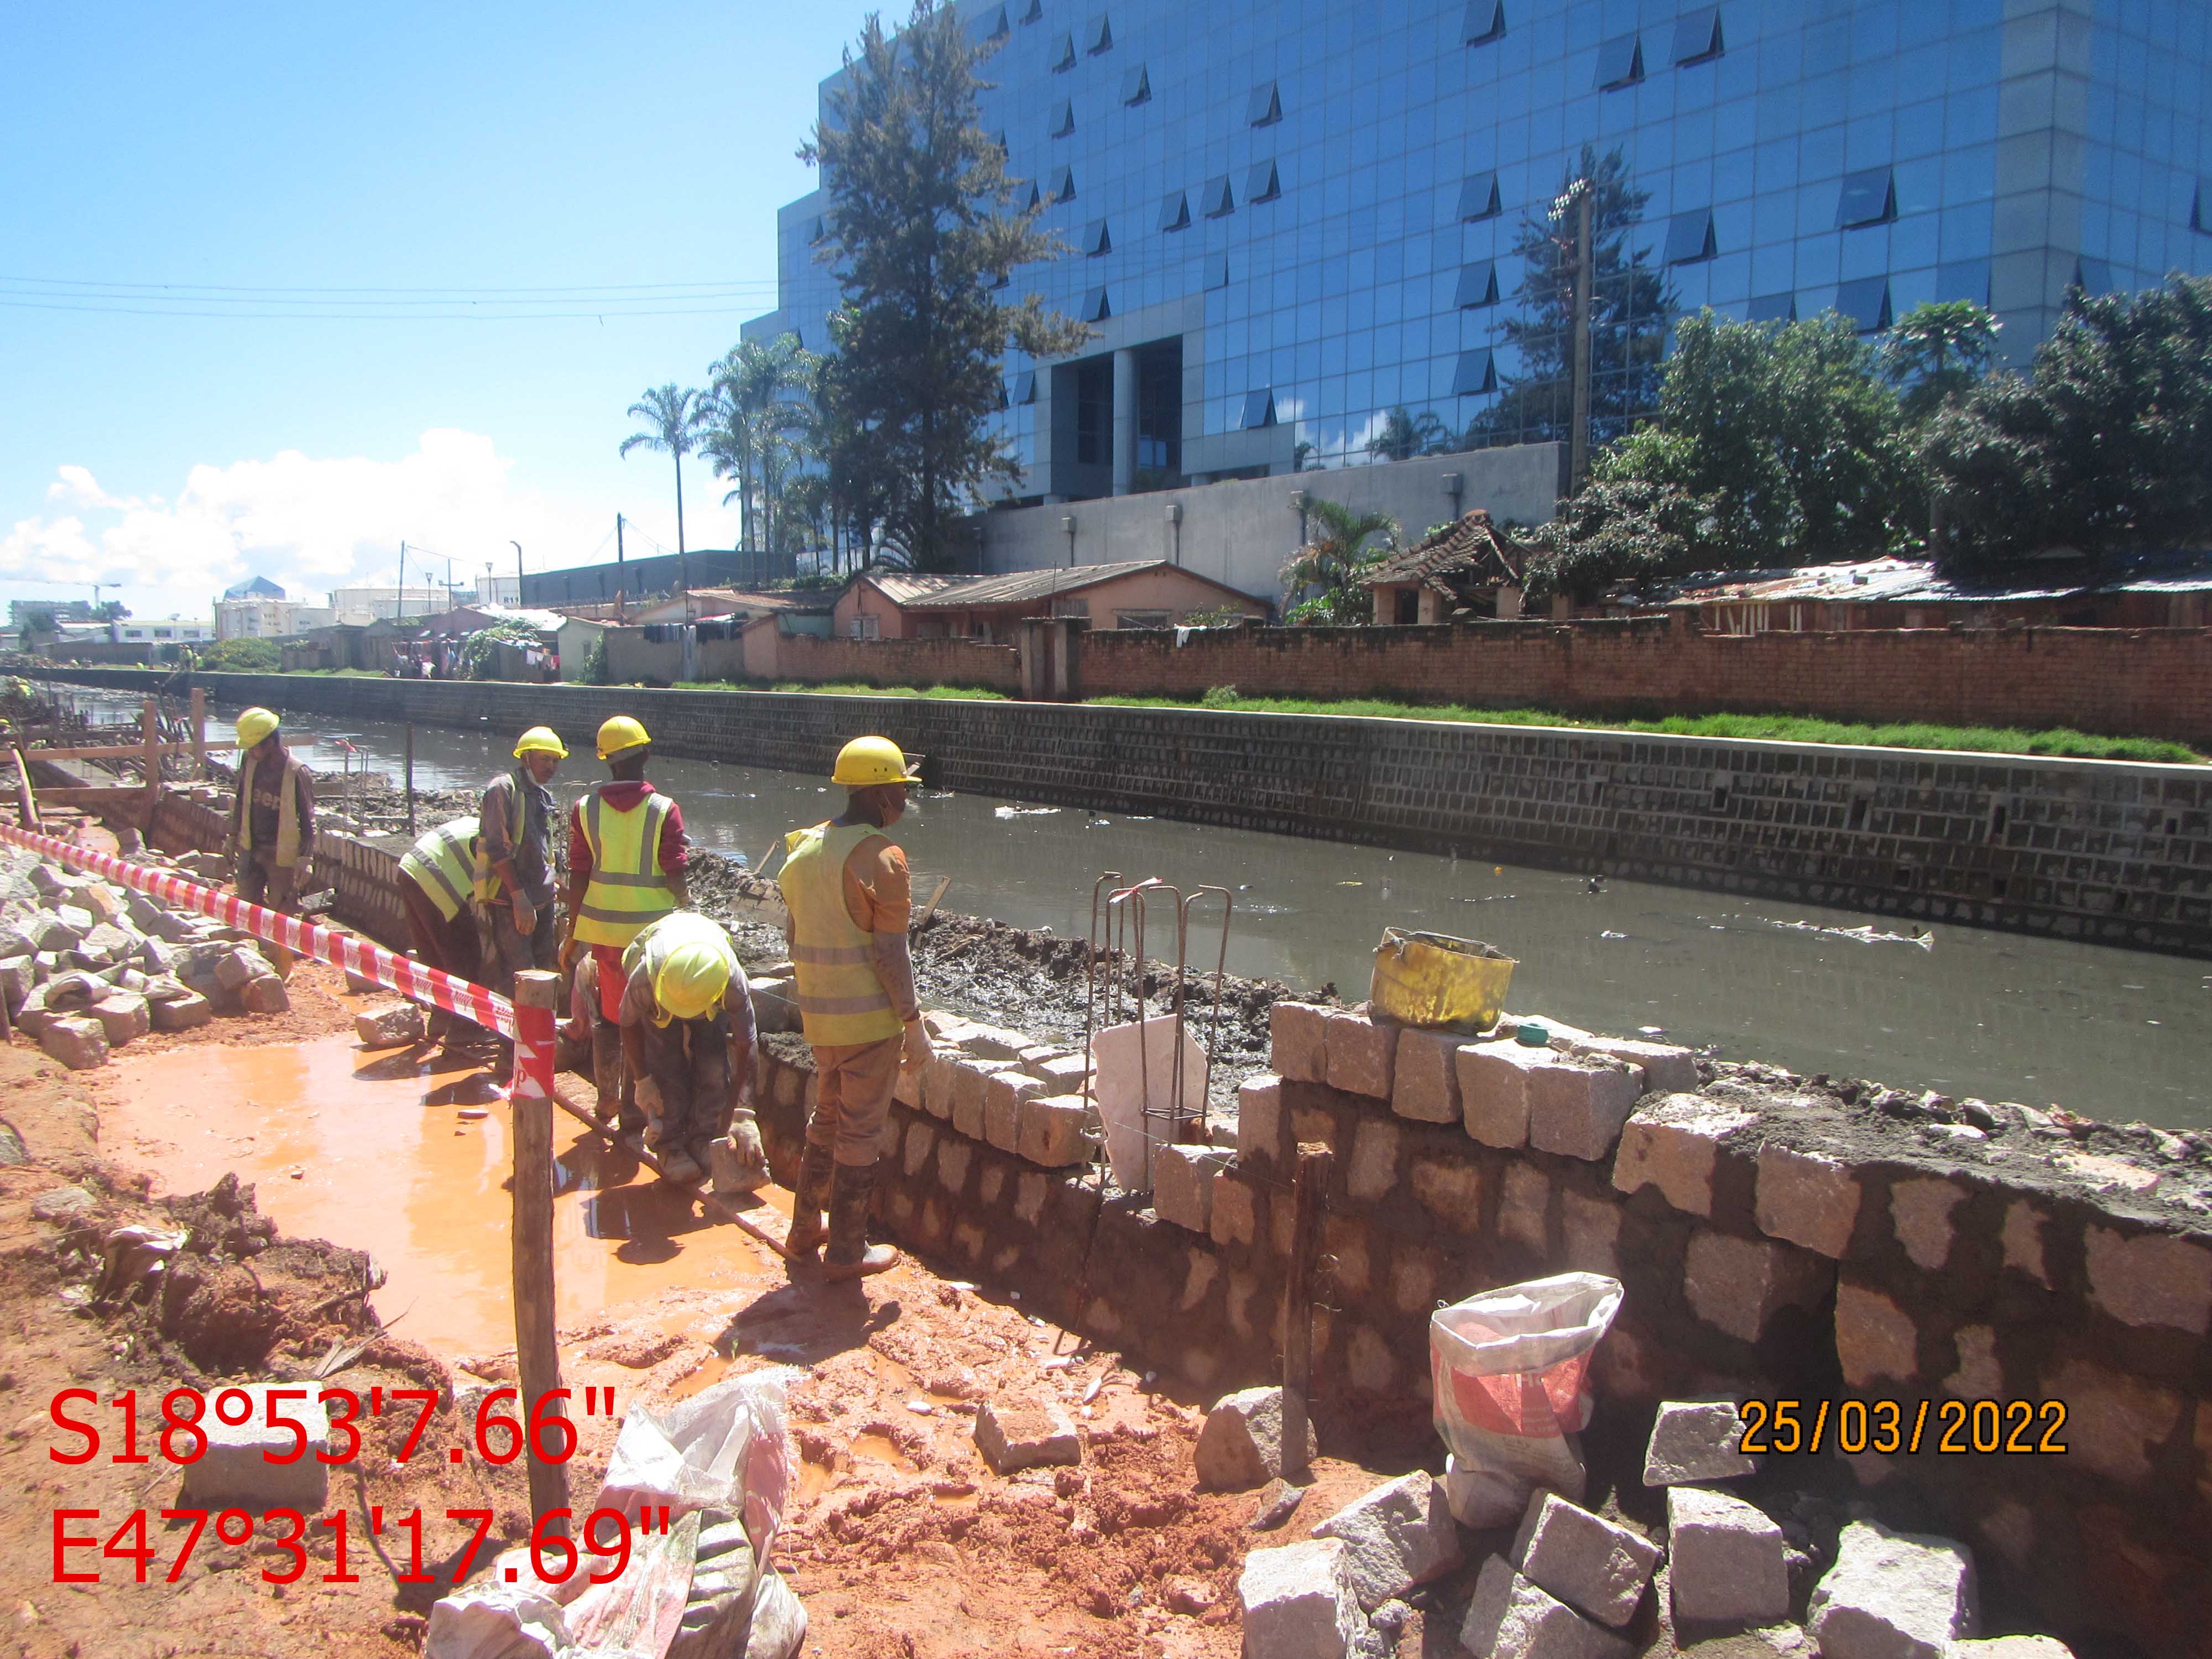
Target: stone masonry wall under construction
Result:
[[2100, 850]]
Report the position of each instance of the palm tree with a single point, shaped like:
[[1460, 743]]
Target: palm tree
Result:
[[1403, 435], [674, 418], [1335, 553], [753, 425]]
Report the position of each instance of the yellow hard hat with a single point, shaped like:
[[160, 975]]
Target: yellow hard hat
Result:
[[254, 724], [540, 740], [692, 979], [867, 761], [620, 735]]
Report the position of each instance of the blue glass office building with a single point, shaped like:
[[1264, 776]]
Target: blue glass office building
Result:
[[1287, 220]]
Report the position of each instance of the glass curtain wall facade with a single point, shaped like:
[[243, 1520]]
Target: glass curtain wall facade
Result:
[[1301, 229]]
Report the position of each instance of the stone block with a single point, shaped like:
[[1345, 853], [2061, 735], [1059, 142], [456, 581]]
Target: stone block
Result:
[[1493, 1089], [264, 993], [54, 934], [1578, 1107], [954, 1153], [937, 1074], [1892, 1596], [234, 968], [1299, 1041], [1063, 1074], [1397, 1535], [1875, 1338], [1003, 1095], [2023, 1241], [1590, 1228], [1673, 1142], [1260, 1116], [17, 976], [1524, 1206], [1298, 1601], [1235, 1210], [1695, 1440], [389, 1025], [2011, 1647], [1052, 1131], [1594, 1567], [2150, 1278], [971, 1078], [1361, 1052], [123, 1015], [1725, 1565], [2113, 1420], [907, 1089], [1424, 1078], [233, 1473], [1373, 1171], [994, 1043], [78, 1040], [921, 1146], [1241, 1445], [1920, 1215], [1450, 1189], [1806, 1199], [1017, 1433], [1512, 1618], [182, 1013], [1182, 1184], [1668, 1068], [1739, 1285]]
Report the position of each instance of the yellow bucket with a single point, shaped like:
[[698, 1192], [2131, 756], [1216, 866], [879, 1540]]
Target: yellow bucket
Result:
[[1434, 979]]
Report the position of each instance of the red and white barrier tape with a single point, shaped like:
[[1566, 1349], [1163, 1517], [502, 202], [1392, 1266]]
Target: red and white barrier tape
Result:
[[355, 954]]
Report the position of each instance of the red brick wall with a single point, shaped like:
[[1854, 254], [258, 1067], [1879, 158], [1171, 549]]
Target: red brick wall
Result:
[[2148, 682], [813, 659]]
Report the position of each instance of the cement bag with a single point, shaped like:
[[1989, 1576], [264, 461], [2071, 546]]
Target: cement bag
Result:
[[1510, 1370], [725, 1448]]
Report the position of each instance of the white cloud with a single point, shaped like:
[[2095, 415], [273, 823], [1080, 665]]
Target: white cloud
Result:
[[312, 524]]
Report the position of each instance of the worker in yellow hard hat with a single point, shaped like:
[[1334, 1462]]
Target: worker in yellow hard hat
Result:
[[437, 894], [514, 862], [626, 862], [272, 822], [686, 1016], [845, 887]]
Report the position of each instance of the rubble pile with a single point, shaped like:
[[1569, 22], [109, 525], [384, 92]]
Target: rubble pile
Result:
[[86, 965]]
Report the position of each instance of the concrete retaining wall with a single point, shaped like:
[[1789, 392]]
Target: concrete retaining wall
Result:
[[1777, 1243], [2107, 851]]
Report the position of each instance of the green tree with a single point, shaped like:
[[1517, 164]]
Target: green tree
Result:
[[923, 234], [673, 420], [1617, 530], [1330, 563], [2105, 445], [1936, 353], [1631, 303], [243, 656], [755, 431]]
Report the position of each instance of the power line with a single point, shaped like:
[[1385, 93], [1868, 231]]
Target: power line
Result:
[[606, 289], [600, 314]]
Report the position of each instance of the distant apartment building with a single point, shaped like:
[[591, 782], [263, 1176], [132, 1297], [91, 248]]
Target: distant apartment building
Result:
[[357, 607], [141, 631], [269, 619]]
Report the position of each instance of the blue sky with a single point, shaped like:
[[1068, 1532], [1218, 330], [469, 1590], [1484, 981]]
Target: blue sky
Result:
[[230, 152]]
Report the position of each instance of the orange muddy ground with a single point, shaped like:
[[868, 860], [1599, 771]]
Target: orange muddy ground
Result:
[[902, 1542]]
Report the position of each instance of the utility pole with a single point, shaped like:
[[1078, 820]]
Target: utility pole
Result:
[[400, 614], [517, 546], [1578, 442], [618, 567]]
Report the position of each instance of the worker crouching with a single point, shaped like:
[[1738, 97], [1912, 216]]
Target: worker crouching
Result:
[[687, 1036], [437, 890], [846, 885]]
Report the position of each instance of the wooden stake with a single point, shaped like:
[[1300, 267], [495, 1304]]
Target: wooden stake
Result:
[[199, 732], [1315, 1161], [27, 801], [537, 1352], [151, 724], [410, 777]]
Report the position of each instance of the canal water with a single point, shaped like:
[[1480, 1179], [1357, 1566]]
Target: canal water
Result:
[[2116, 1034]]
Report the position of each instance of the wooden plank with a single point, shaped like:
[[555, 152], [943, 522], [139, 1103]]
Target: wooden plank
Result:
[[125, 751], [106, 795], [27, 799], [537, 1350]]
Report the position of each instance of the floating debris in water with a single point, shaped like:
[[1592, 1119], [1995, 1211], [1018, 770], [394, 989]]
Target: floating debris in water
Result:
[[1650, 1030], [1866, 934], [1609, 934], [1023, 811]]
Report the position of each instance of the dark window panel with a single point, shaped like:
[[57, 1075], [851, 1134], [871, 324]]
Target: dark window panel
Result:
[[1098, 34], [1697, 34], [1261, 183], [1025, 386], [1265, 107], [1175, 210], [1478, 196], [1690, 237], [1095, 308], [1620, 62], [1034, 13], [1867, 198], [1217, 199], [1476, 372], [2093, 277], [1097, 239], [1063, 118], [1865, 303], [2200, 211], [1062, 187], [1217, 271], [1485, 21], [989, 25], [1136, 85], [1259, 409], [1063, 53], [1478, 285], [1035, 196]]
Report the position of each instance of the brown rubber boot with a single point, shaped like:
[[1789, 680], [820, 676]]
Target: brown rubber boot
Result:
[[850, 1255], [808, 1199]]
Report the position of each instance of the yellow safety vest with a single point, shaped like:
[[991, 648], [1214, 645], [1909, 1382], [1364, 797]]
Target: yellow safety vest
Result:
[[438, 865], [626, 892], [651, 949], [486, 879], [288, 809], [840, 1001]]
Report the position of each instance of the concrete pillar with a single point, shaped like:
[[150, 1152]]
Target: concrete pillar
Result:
[[1125, 422]]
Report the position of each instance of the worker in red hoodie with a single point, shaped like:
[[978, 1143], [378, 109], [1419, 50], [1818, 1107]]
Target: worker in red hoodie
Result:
[[626, 863]]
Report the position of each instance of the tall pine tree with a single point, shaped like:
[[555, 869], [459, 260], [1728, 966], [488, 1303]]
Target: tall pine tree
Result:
[[923, 234], [1631, 303]]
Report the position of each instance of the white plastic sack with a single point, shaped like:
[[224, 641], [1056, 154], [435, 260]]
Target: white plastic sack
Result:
[[1510, 1370], [727, 1448]]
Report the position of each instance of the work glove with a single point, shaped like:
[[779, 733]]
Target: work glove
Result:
[[525, 918], [746, 1170], [915, 1053], [649, 1101]]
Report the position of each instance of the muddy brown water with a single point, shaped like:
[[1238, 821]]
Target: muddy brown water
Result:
[[2115, 1034], [386, 1161]]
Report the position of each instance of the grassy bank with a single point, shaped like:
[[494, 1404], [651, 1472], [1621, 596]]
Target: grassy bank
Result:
[[851, 688]]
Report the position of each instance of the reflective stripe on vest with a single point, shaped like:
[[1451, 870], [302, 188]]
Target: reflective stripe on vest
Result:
[[486, 879], [438, 865], [628, 890], [840, 1001], [651, 948]]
